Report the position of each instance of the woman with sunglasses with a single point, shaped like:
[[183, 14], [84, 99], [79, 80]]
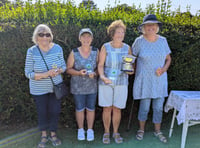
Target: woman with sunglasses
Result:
[[41, 87]]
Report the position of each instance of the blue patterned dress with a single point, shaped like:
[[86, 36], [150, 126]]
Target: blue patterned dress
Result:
[[150, 56]]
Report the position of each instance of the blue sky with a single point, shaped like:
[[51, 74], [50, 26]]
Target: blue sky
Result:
[[194, 4]]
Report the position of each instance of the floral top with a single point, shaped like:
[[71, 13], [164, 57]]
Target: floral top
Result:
[[84, 84]]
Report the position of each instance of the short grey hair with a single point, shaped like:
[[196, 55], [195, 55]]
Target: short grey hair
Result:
[[41, 28], [143, 32]]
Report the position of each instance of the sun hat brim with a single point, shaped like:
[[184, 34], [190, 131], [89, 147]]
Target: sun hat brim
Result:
[[149, 22]]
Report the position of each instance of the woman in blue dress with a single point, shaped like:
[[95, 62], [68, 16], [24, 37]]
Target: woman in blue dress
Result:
[[150, 84]]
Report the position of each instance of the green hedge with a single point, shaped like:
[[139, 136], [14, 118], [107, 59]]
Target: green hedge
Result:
[[17, 23]]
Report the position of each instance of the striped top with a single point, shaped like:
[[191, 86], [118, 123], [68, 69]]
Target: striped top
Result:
[[35, 64], [84, 84], [113, 64]]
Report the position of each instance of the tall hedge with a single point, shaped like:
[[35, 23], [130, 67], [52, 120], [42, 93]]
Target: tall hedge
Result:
[[17, 22]]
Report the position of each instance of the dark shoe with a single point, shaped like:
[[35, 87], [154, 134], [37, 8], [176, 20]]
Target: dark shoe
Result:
[[55, 141], [43, 141]]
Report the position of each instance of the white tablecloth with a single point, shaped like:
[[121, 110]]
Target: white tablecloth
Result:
[[186, 102]]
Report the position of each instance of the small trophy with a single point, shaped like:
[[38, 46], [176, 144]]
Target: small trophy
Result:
[[127, 64], [113, 75], [89, 68], [54, 66]]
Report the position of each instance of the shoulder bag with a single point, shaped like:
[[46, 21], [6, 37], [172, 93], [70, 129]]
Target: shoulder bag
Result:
[[60, 89]]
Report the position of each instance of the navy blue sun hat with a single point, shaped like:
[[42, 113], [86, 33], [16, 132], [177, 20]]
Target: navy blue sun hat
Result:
[[149, 19]]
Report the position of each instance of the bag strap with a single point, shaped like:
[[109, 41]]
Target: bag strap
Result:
[[45, 63]]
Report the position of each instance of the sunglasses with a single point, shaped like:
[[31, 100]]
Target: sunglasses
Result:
[[43, 34]]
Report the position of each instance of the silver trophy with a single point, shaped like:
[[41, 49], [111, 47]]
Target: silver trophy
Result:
[[127, 64]]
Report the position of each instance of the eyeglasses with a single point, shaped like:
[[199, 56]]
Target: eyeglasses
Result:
[[44, 34]]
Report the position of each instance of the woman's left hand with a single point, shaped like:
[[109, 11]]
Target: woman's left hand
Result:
[[92, 75], [55, 72]]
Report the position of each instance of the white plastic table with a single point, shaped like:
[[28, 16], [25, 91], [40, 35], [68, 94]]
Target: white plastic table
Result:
[[188, 105]]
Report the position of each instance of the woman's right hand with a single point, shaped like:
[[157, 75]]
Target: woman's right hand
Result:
[[105, 80], [83, 72]]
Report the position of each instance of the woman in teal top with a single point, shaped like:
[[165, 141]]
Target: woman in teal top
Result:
[[150, 84], [113, 83]]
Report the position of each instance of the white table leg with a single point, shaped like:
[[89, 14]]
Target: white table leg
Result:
[[184, 133], [172, 123]]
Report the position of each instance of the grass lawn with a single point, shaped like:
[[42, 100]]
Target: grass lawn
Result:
[[69, 140]]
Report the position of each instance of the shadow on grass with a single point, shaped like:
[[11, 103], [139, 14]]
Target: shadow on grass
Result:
[[67, 132], [69, 139]]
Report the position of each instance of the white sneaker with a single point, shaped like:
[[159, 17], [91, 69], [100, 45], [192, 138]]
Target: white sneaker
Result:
[[90, 135], [81, 134]]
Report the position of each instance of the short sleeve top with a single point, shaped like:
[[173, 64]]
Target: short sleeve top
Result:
[[150, 56]]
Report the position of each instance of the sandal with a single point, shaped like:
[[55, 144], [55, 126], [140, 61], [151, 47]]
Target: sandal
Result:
[[55, 141], [118, 139], [43, 141], [160, 136], [140, 135], [106, 138]]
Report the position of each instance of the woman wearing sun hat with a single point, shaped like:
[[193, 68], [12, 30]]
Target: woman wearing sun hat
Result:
[[150, 84]]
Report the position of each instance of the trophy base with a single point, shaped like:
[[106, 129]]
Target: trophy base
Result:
[[128, 70]]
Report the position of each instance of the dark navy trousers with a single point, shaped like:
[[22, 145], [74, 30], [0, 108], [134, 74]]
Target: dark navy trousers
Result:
[[48, 109]]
